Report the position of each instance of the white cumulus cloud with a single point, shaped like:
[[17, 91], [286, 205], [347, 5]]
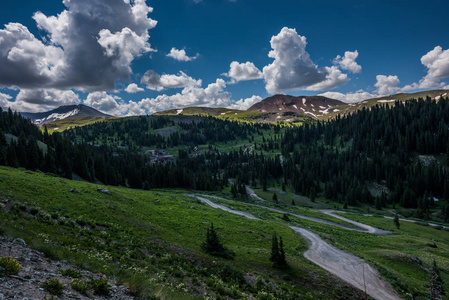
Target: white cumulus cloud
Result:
[[88, 46], [133, 88], [4, 101], [437, 64], [113, 105], [347, 62], [213, 95], [353, 97], [292, 68], [387, 85], [334, 77], [181, 55], [244, 104], [39, 100], [157, 82], [243, 71]]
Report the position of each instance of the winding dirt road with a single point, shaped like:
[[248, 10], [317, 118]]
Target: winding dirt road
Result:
[[346, 266]]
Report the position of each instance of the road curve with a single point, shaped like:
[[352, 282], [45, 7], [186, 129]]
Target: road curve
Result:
[[222, 207], [253, 194], [318, 220], [346, 266]]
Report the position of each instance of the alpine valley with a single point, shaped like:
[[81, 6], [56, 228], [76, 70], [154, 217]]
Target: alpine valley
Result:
[[295, 198]]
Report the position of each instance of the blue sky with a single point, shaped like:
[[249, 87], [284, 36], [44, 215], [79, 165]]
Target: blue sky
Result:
[[129, 57]]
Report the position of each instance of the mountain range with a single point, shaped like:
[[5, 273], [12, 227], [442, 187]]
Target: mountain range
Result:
[[270, 110], [296, 108]]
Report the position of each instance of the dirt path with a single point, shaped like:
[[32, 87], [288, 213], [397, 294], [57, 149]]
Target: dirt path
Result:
[[253, 194], [368, 228], [413, 221], [346, 266], [222, 207], [318, 220]]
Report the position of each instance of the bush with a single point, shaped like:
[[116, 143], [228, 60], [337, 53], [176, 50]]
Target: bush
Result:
[[70, 273], [10, 266], [80, 285], [53, 286], [229, 274], [100, 286], [34, 211]]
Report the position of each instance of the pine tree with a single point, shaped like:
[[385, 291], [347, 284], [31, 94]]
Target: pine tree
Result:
[[396, 221], [277, 251], [213, 246], [281, 260], [274, 257]]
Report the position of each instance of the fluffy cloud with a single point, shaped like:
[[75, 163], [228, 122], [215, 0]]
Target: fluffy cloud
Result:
[[243, 71], [334, 77], [113, 105], [157, 82], [347, 62], [244, 104], [88, 46], [213, 95], [4, 100], [133, 88], [293, 69], [181, 55], [349, 97], [437, 64], [38, 100], [387, 85], [102, 101]]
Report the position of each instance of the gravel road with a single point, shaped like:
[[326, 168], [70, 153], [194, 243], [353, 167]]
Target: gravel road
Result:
[[346, 266], [222, 207], [368, 228]]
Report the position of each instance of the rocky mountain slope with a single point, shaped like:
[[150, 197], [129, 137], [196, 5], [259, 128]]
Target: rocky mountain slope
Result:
[[37, 269]]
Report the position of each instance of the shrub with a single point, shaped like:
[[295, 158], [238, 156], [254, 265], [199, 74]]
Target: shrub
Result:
[[229, 274], [34, 211], [100, 286], [80, 285], [10, 266], [53, 286], [70, 273]]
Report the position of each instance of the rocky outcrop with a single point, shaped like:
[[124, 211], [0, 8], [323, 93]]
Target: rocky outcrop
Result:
[[36, 269]]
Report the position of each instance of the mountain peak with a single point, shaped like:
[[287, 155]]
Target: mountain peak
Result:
[[312, 106], [64, 112]]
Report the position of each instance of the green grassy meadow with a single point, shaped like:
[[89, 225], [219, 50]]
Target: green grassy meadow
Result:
[[156, 235]]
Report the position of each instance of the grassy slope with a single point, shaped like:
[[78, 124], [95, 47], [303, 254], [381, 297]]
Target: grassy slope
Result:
[[128, 221], [68, 123], [153, 233]]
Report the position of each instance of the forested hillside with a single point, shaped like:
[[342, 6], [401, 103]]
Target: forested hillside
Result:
[[402, 148]]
